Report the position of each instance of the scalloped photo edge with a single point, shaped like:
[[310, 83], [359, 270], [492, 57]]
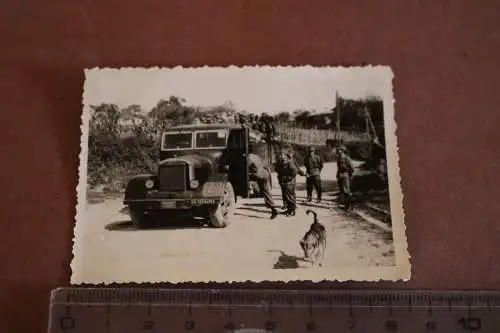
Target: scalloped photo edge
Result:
[[108, 248]]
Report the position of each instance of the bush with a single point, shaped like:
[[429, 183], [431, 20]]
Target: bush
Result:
[[125, 142]]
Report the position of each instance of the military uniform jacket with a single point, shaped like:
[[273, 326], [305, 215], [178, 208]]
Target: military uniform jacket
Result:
[[279, 167], [313, 164], [289, 170], [256, 168], [344, 165]]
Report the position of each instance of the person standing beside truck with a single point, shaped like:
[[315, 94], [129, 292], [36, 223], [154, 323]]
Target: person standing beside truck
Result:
[[258, 172], [279, 167], [290, 171]]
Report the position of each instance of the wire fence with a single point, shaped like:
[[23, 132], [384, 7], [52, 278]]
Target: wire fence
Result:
[[318, 137]]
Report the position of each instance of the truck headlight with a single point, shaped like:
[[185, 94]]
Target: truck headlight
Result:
[[149, 184], [194, 183]]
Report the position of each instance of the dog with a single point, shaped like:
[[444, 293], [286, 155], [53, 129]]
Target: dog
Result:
[[314, 241]]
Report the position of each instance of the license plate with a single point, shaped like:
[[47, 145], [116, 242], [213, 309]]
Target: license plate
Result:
[[197, 202], [167, 204]]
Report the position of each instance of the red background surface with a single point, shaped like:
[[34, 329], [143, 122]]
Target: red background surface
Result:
[[446, 59]]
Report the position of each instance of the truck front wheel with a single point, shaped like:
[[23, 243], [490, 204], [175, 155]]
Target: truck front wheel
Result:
[[220, 215]]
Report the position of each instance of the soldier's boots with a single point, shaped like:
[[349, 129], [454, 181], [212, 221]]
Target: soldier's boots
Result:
[[274, 213], [348, 204]]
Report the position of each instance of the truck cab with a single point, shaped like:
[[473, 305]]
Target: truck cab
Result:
[[202, 169]]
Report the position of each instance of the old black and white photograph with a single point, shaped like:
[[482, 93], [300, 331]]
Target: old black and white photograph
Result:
[[233, 174]]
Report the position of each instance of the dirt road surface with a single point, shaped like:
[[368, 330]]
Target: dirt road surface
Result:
[[111, 249]]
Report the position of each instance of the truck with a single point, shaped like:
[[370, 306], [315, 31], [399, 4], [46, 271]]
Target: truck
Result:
[[202, 170]]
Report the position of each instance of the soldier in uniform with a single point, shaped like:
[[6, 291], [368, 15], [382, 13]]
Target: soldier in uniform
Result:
[[291, 155], [345, 173], [241, 120], [314, 166], [270, 128], [290, 170], [279, 168], [261, 175]]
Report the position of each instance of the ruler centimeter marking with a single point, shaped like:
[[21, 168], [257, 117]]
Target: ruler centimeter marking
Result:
[[124, 310]]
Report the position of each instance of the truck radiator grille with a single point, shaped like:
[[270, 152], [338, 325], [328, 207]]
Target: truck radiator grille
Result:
[[173, 178]]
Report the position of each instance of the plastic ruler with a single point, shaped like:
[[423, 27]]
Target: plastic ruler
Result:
[[133, 310]]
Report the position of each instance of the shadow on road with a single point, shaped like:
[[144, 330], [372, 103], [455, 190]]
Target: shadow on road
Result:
[[264, 211], [120, 226], [248, 206], [254, 204], [286, 261], [249, 215], [188, 223], [326, 184], [314, 205]]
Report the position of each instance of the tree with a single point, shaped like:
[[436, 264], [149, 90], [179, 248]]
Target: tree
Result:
[[171, 112], [284, 117], [135, 121], [301, 117], [105, 121]]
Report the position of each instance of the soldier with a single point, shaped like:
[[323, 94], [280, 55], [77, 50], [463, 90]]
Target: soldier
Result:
[[270, 128], [262, 124], [241, 120], [260, 174], [382, 170], [255, 123], [279, 168], [345, 173], [290, 171], [291, 156], [314, 166]]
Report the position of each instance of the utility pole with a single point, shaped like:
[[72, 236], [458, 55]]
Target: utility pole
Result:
[[268, 125], [337, 107]]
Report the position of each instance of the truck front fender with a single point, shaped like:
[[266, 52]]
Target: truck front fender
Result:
[[214, 188], [136, 186]]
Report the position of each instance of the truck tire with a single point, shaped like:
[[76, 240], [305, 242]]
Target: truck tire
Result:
[[139, 218], [220, 215]]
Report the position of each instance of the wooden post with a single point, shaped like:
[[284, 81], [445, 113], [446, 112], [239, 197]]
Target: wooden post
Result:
[[367, 125], [337, 106], [371, 125]]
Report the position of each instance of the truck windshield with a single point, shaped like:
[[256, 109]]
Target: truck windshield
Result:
[[211, 139], [177, 141]]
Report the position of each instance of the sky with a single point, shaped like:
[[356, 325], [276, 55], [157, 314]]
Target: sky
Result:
[[253, 89]]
